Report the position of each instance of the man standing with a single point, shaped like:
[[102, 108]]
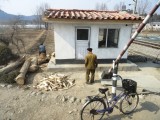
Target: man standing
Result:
[[90, 64]]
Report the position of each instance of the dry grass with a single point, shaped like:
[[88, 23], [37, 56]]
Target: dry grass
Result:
[[29, 37]]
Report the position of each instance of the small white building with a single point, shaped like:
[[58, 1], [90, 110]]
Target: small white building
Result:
[[152, 26], [107, 32]]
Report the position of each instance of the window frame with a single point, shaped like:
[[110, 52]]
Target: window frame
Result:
[[106, 40], [87, 28]]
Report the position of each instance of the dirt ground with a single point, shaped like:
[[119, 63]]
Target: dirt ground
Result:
[[27, 103]]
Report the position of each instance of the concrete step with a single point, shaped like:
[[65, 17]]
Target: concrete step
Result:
[[52, 66]]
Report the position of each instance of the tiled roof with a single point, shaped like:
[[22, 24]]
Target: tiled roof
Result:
[[89, 15]]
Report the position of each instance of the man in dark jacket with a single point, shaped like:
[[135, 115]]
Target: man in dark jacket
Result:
[[91, 65]]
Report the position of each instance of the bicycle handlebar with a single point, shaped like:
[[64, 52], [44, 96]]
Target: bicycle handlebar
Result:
[[118, 76]]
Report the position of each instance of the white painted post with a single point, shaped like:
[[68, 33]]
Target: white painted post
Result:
[[114, 80]]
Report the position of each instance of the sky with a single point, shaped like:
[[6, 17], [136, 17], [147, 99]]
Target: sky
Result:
[[28, 7]]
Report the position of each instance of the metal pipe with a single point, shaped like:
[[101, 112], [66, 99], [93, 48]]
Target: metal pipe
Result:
[[135, 6]]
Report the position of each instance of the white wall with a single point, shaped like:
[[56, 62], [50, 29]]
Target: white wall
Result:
[[103, 53], [64, 35]]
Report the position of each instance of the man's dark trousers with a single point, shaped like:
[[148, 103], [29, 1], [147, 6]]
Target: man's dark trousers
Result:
[[88, 71]]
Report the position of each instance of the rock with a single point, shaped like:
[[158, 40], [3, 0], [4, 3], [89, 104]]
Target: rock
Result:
[[83, 100], [70, 112], [78, 101], [16, 98], [26, 87], [72, 99], [59, 98], [64, 99], [11, 114], [44, 96], [39, 93], [55, 96], [41, 100], [75, 110], [33, 94], [3, 85], [18, 87], [20, 111], [7, 106], [9, 86]]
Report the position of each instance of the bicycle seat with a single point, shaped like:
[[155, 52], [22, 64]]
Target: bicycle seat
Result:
[[103, 90]]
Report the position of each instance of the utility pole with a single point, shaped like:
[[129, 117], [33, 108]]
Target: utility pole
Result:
[[135, 6]]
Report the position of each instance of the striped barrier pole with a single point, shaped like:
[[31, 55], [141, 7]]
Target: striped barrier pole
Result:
[[139, 29], [114, 79]]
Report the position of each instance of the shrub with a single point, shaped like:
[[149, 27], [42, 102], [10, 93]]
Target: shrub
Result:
[[5, 54]]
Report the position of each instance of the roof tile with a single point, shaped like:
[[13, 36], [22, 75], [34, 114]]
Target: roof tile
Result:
[[89, 14]]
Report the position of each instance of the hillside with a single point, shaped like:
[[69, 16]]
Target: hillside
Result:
[[6, 17]]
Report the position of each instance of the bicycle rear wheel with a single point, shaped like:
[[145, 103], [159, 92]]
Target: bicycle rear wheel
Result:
[[129, 103], [93, 110]]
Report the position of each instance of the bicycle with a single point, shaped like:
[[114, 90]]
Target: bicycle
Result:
[[96, 106]]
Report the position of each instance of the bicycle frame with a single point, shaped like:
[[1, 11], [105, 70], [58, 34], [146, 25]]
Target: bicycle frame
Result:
[[113, 102]]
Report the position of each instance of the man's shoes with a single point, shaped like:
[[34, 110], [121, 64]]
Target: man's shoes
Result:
[[91, 82], [87, 83]]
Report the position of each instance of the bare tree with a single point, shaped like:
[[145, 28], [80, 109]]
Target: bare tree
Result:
[[101, 6], [118, 7], [39, 13], [142, 6], [11, 33], [16, 25]]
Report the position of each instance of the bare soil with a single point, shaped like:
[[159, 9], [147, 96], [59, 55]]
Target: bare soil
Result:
[[27, 103]]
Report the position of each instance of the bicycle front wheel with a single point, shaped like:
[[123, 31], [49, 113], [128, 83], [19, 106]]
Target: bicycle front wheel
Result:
[[129, 103], [93, 110]]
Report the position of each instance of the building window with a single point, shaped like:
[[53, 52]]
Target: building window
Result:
[[108, 38], [82, 34]]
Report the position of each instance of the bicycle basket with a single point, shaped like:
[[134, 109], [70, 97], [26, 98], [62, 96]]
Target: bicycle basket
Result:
[[129, 85]]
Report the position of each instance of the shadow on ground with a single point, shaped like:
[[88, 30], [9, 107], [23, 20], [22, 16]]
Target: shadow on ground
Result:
[[148, 64], [149, 106]]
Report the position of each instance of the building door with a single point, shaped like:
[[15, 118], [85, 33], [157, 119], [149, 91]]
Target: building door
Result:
[[82, 42]]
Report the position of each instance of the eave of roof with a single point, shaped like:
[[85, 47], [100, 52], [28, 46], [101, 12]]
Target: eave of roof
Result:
[[89, 15], [91, 21]]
